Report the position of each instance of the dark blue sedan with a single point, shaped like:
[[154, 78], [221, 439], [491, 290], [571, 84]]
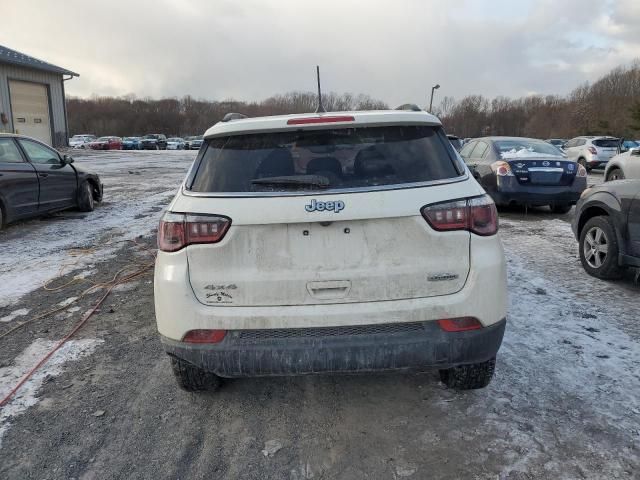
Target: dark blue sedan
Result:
[[525, 171]]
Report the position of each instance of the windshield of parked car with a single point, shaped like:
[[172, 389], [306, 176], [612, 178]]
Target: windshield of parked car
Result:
[[606, 142], [523, 148], [151, 137], [103, 139], [335, 159]]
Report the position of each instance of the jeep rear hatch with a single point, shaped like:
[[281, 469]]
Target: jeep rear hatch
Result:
[[326, 216]]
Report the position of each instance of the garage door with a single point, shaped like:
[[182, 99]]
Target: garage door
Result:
[[30, 110]]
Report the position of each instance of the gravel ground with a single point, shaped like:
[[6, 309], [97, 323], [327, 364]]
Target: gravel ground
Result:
[[564, 402]]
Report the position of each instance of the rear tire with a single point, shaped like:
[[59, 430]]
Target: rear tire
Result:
[[86, 202], [600, 262], [193, 379], [469, 377], [615, 174], [561, 208]]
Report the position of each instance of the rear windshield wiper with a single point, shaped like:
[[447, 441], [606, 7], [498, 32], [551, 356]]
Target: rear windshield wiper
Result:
[[296, 180]]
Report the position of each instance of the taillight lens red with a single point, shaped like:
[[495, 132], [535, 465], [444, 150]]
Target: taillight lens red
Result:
[[204, 336], [177, 230], [477, 215], [593, 150], [502, 169], [582, 172], [461, 324]]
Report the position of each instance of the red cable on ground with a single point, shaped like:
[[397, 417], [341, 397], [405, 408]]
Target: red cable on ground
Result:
[[82, 322]]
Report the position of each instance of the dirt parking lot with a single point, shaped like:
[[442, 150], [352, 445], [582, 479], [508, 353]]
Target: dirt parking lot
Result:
[[564, 403]]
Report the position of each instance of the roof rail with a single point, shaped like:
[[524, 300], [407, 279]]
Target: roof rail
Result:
[[412, 107], [233, 116]]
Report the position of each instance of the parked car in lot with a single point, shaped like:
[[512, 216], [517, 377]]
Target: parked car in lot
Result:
[[557, 142], [607, 227], [131, 143], [175, 143], [525, 171], [624, 165], [275, 259], [36, 179], [591, 152], [81, 141], [106, 143], [456, 142], [153, 141], [195, 142]]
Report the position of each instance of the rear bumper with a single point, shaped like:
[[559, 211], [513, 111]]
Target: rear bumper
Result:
[[510, 191], [484, 296], [307, 351]]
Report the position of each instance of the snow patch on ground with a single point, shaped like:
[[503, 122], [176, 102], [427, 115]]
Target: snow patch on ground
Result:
[[27, 396], [567, 369], [13, 315], [67, 302], [131, 207]]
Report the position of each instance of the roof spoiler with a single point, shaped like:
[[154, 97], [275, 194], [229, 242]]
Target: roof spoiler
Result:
[[233, 116], [411, 107]]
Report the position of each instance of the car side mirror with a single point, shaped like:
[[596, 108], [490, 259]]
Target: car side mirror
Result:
[[635, 152], [67, 159]]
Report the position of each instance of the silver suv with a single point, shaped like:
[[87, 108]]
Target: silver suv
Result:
[[591, 152]]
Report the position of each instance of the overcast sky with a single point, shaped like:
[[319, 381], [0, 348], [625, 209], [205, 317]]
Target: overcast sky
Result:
[[394, 50]]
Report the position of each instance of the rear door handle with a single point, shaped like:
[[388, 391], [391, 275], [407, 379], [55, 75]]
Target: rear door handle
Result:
[[43, 175]]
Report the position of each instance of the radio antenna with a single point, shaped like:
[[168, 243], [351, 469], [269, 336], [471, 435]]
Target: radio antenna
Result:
[[320, 108]]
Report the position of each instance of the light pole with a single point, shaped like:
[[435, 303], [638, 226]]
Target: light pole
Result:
[[433, 89]]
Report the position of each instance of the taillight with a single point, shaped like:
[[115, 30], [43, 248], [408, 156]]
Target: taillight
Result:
[[177, 230], [502, 169], [461, 324], [320, 119], [593, 151], [582, 172], [477, 215], [204, 336]]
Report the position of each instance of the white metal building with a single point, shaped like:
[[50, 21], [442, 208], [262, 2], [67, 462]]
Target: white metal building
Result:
[[32, 99]]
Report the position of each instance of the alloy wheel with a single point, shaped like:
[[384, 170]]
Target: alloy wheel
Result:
[[596, 247]]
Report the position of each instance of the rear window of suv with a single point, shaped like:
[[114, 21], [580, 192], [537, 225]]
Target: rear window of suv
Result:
[[606, 143], [334, 159]]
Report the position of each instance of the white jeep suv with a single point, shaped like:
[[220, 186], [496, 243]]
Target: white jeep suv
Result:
[[333, 242]]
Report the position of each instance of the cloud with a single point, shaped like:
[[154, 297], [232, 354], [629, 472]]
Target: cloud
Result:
[[391, 49]]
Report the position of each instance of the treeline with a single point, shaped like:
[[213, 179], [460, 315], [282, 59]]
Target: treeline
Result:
[[610, 106], [124, 116]]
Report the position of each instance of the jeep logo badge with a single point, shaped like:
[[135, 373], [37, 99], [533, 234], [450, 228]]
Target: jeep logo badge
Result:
[[317, 206]]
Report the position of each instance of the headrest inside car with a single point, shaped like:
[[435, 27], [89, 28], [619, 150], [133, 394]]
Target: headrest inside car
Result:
[[370, 162]]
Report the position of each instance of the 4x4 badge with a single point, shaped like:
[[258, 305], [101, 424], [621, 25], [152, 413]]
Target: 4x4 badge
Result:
[[318, 206]]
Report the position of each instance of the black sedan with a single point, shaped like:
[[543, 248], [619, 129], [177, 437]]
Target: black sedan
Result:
[[607, 227], [36, 179], [525, 171]]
